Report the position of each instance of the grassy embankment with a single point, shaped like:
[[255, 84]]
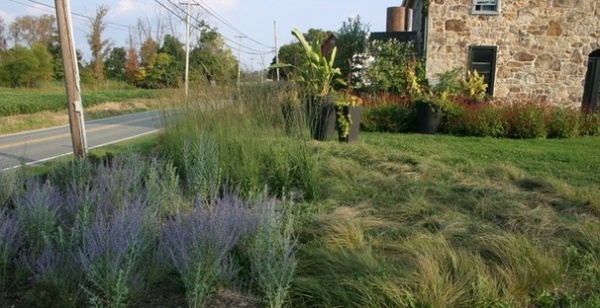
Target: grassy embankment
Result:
[[399, 220], [437, 221]]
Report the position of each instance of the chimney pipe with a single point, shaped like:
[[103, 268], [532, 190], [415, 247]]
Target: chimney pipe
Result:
[[396, 19]]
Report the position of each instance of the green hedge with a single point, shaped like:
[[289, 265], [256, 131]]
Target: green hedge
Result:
[[517, 121], [392, 119]]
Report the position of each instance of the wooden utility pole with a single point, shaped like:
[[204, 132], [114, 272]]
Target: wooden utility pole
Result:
[[276, 49], [187, 50], [187, 47], [69, 56], [240, 37]]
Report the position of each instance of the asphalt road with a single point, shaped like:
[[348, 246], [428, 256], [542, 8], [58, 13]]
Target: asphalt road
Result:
[[37, 146]]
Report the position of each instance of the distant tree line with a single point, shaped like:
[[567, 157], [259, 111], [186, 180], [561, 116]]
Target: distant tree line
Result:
[[30, 55]]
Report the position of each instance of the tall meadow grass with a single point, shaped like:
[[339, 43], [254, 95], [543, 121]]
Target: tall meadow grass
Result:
[[234, 136]]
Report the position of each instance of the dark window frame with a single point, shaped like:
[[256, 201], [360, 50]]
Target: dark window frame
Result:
[[483, 59], [486, 7], [591, 88]]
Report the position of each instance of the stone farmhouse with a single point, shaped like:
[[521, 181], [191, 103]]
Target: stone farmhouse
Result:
[[542, 50]]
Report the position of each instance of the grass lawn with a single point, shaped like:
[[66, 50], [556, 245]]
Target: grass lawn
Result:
[[442, 221]]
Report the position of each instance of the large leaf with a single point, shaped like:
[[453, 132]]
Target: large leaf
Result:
[[280, 65]]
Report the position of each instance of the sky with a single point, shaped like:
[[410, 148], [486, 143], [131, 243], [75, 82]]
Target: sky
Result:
[[253, 19]]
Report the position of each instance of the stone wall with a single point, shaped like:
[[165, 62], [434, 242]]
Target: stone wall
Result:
[[543, 45]]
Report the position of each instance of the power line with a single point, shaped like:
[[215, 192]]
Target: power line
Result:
[[216, 15], [115, 26], [47, 9], [251, 51]]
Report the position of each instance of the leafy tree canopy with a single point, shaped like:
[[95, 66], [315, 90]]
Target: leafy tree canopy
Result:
[[352, 39], [114, 66], [26, 67], [33, 30]]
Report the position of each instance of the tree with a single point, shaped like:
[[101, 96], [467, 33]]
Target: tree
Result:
[[352, 39], [174, 48], [26, 67], [58, 72], [33, 30], [210, 60], [148, 52], [3, 35], [160, 73], [98, 46], [132, 66], [114, 66]]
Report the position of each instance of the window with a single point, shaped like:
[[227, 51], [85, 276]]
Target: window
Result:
[[486, 7], [483, 60], [591, 90]]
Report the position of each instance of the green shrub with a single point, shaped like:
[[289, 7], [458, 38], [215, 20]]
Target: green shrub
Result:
[[525, 121], [590, 124], [390, 68], [393, 119], [564, 123], [478, 120]]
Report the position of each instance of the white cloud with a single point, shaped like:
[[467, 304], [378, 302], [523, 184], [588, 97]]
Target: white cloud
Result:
[[125, 6], [7, 17]]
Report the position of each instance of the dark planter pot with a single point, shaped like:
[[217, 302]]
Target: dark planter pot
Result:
[[354, 114], [428, 118], [321, 119]]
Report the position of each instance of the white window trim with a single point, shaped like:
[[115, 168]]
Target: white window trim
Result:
[[479, 2]]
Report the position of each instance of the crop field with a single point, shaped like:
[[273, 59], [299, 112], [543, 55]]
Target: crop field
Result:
[[28, 102]]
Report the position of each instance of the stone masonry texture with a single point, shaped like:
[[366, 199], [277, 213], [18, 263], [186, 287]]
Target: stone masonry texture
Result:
[[543, 45]]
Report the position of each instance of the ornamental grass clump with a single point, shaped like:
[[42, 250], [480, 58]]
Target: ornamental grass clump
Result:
[[162, 186], [272, 251], [200, 243], [11, 184], [38, 213], [11, 241], [122, 179], [200, 168], [112, 255], [54, 275], [252, 134]]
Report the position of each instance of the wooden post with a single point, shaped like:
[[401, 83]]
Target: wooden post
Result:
[[69, 56]]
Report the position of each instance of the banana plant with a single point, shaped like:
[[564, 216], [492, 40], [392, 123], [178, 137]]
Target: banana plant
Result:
[[317, 73]]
